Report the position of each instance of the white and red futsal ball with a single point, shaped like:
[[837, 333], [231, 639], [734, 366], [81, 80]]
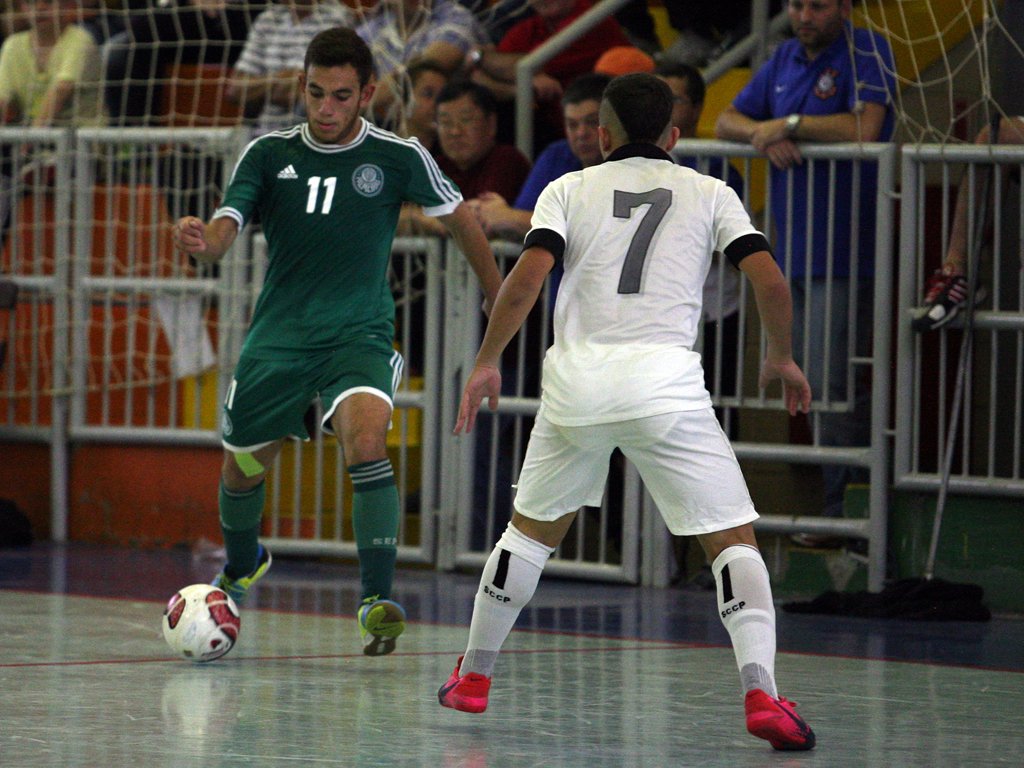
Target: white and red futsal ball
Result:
[[201, 622]]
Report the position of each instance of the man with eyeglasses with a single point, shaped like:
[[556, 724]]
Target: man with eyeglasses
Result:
[[467, 128], [576, 151]]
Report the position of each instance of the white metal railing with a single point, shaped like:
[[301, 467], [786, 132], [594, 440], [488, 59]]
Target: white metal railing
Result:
[[989, 450], [55, 388]]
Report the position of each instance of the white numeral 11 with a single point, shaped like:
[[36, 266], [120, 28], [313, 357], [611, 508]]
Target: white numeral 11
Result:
[[314, 192]]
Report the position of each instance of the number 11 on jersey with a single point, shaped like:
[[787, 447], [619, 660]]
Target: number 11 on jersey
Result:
[[314, 193]]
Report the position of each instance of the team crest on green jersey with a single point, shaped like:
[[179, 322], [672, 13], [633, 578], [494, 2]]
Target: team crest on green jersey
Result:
[[368, 180]]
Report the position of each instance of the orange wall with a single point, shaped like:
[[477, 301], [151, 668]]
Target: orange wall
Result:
[[132, 495], [25, 480]]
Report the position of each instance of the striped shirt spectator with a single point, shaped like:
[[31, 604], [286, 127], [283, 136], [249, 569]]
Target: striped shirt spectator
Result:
[[266, 74], [444, 27]]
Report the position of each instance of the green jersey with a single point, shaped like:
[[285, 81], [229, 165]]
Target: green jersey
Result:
[[329, 214]]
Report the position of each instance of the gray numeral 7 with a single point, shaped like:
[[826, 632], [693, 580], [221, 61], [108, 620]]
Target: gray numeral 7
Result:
[[624, 202]]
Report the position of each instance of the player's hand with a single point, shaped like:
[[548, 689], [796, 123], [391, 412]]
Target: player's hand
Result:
[[796, 392], [189, 234], [484, 381]]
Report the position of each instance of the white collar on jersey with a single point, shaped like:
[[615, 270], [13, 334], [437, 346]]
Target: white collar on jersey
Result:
[[307, 137], [639, 149]]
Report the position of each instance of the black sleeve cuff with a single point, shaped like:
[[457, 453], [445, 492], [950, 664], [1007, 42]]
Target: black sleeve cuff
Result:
[[549, 240], [743, 246]]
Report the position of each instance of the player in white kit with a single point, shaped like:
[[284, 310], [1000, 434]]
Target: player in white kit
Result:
[[635, 235]]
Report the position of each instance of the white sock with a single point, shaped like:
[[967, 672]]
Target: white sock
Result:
[[508, 582], [748, 613]]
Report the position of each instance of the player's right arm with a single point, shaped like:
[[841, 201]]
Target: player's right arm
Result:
[[775, 307], [473, 243], [205, 242], [516, 298]]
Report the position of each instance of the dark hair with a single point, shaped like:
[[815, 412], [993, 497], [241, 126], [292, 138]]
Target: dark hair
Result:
[[481, 95], [643, 104], [694, 79], [338, 46], [587, 87], [418, 66]]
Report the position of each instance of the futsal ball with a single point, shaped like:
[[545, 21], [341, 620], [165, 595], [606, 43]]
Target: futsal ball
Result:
[[201, 622]]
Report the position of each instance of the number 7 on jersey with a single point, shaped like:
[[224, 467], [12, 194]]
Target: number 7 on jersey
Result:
[[624, 202]]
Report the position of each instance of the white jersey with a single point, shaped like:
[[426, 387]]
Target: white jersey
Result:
[[639, 234]]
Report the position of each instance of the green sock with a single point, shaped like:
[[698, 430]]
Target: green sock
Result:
[[375, 520], [240, 515]]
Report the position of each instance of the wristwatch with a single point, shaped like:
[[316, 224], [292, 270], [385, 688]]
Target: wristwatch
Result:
[[792, 123]]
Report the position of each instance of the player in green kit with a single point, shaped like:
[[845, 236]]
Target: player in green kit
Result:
[[328, 194]]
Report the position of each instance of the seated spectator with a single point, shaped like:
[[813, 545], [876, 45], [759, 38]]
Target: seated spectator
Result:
[[49, 76], [426, 78], [580, 149], [467, 126], [50, 73], [947, 290], [496, 67], [402, 31], [265, 79], [467, 129], [165, 33]]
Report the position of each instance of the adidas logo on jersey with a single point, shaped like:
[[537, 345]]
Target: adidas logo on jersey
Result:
[[288, 173]]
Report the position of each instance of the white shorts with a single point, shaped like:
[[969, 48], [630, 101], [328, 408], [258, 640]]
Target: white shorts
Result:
[[684, 458]]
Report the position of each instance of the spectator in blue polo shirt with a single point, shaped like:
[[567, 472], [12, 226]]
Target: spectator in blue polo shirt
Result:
[[830, 83]]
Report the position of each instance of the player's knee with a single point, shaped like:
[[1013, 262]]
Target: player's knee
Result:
[[241, 471], [364, 445]]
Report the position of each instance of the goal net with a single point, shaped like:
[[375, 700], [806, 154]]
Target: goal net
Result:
[[170, 65]]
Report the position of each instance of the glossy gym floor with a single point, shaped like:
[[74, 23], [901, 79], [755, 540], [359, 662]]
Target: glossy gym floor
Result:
[[595, 675]]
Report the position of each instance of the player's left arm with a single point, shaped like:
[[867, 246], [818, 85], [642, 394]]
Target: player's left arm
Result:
[[516, 298], [473, 243], [775, 308]]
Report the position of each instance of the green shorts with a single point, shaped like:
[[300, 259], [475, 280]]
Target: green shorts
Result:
[[267, 399]]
